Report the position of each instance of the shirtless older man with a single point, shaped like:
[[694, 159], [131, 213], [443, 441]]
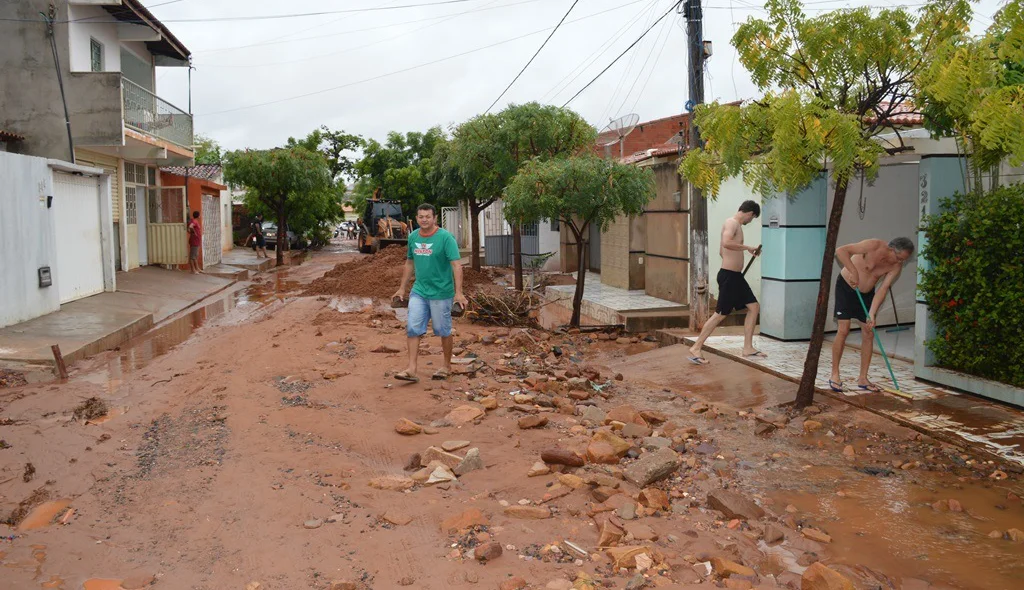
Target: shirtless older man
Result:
[[864, 264], [733, 291]]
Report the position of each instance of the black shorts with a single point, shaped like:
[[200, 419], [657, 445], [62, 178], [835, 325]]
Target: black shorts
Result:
[[259, 242], [848, 307], [733, 292]]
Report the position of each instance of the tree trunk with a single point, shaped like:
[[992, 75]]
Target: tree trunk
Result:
[[517, 255], [805, 393], [474, 238], [581, 273], [282, 236]]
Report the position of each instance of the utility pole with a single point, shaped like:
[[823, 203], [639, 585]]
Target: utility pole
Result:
[[699, 300]]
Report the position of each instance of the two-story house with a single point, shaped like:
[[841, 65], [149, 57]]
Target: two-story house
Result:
[[96, 60]]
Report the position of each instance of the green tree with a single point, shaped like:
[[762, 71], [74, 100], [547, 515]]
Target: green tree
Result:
[[973, 89], [490, 149], [578, 191], [207, 150], [336, 146], [454, 184], [282, 183], [398, 168], [832, 83]]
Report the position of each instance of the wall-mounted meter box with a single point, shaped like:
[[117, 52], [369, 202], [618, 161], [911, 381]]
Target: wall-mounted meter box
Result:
[[45, 280]]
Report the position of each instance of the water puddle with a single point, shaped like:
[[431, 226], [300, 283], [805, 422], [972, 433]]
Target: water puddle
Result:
[[351, 304], [891, 523], [54, 582], [41, 516], [140, 351]]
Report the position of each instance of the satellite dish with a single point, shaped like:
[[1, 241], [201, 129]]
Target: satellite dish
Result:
[[616, 132]]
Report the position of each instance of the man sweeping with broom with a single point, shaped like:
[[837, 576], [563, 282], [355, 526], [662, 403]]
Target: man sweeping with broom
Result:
[[864, 264]]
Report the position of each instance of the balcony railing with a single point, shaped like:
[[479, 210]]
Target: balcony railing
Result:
[[148, 113]]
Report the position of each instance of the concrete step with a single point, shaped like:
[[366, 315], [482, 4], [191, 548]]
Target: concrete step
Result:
[[227, 271]]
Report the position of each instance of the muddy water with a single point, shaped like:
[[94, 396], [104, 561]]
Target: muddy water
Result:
[[41, 516], [889, 522], [140, 351]]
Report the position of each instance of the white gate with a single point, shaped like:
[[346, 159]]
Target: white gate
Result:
[[79, 251], [451, 221], [210, 222]]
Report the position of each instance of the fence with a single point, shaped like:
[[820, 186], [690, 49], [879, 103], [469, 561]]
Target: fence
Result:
[[148, 113], [498, 237]]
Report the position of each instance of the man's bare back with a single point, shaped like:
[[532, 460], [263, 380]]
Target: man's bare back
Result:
[[871, 266], [732, 231]]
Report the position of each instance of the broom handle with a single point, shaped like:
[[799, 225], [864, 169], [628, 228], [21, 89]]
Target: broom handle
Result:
[[756, 254], [877, 339]]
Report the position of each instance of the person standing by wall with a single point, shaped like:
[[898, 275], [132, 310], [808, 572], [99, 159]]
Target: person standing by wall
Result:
[[195, 241], [434, 255]]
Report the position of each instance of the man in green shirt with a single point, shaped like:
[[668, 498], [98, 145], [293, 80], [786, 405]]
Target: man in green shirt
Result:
[[434, 255]]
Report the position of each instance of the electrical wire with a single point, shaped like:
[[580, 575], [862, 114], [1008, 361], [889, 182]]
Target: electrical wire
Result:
[[647, 60], [631, 46], [625, 73], [346, 50], [535, 54], [217, 19], [415, 67], [588, 61], [654, 67]]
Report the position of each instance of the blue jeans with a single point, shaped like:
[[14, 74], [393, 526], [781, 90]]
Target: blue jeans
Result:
[[438, 311]]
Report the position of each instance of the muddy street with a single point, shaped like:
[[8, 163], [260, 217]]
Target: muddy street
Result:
[[259, 442]]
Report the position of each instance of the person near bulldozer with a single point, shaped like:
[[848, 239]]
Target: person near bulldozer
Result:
[[434, 254]]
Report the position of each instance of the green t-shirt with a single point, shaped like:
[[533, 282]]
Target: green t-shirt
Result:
[[432, 258]]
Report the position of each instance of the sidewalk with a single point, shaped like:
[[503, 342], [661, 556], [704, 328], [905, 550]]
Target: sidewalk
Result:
[[958, 418], [604, 304], [144, 297]]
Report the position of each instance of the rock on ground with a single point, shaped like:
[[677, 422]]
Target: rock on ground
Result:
[[733, 505], [822, 577], [652, 467]]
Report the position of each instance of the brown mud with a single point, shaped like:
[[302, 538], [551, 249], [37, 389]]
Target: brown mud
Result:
[[253, 441]]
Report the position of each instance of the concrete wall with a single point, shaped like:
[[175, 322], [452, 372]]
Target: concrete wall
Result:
[[733, 192], [27, 238], [667, 235], [622, 253], [80, 33], [32, 106]]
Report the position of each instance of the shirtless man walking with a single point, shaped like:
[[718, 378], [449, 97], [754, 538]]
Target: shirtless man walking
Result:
[[864, 264], [733, 290]]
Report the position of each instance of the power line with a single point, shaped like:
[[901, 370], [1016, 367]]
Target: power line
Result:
[[215, 19], [625, 73], [588, 61], [631, 46], [654, 67], [443, 20], [411, 68], [535, 54]]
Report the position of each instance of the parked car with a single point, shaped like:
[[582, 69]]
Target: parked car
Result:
[[270, 235]]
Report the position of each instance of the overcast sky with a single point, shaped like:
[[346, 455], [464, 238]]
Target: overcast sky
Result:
[[333, 58]]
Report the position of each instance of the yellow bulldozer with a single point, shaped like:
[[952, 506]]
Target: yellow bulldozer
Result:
[[381, 225]]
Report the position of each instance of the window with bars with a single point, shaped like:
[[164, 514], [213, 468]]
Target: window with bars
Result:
[[131, 206], [95, 55]]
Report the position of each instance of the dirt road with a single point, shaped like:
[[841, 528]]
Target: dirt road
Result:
[[254, 444]]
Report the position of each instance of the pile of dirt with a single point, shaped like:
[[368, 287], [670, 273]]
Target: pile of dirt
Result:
[[379, 275], [9, 378]]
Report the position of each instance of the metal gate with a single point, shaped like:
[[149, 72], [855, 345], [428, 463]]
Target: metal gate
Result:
[[166, 236], [211, 230], [451, 221], [498, 237], [79, 250]]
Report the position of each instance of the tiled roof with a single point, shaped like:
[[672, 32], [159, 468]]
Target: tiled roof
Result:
[[203, 171], [903, 114], [9, 136]]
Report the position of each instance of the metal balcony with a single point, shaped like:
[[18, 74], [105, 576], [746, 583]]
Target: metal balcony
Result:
[[148, 113]]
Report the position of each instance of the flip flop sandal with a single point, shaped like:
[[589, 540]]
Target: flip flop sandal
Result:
[[870, 387], [698, 360], [756, 355], [441, 375], [405, 376], [836, 387]]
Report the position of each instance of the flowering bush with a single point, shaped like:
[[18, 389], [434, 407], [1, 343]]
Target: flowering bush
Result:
[[974, 284]]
